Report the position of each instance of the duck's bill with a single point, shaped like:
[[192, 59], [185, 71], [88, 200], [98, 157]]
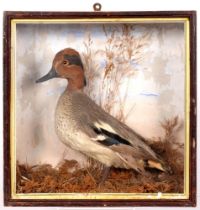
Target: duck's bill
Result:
[[50, 75]]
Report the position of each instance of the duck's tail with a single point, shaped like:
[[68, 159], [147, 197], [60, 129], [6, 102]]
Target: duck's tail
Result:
[[160, 165]]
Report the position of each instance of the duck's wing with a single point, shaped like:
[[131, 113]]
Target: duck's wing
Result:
[[136, 156], [106, 130]]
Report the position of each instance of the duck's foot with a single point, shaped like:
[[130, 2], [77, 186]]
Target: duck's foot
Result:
[[105, 174]]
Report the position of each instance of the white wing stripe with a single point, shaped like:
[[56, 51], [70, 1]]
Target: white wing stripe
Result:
[[105, 126], [99, 138]]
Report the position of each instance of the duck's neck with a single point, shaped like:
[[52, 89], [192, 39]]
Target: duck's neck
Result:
[[75, 84]]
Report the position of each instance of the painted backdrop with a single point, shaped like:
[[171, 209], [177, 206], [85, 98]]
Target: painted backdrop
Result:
[[135, 72]]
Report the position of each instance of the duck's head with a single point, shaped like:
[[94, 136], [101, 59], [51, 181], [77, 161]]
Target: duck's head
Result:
[[67, 64]]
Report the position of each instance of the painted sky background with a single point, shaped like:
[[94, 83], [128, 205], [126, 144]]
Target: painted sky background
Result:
[[155, 90]]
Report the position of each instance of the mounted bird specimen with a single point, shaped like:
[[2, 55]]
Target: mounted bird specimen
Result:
[[84, 126]]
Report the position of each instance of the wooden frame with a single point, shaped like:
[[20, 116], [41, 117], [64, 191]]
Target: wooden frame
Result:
[[9, 199]]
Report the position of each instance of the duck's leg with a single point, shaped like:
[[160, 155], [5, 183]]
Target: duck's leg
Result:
[[105, 174]]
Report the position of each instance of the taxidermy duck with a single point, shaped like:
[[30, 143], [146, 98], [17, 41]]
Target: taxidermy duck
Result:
[[84, 126]]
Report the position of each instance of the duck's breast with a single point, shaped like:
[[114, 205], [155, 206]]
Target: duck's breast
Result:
[[65, 123]]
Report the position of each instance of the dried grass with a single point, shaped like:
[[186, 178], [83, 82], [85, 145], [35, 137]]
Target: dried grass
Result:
[[171, 150], [123, 50], [91, 68]]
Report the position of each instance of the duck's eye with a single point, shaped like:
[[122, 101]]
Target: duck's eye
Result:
[[65, 62]]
